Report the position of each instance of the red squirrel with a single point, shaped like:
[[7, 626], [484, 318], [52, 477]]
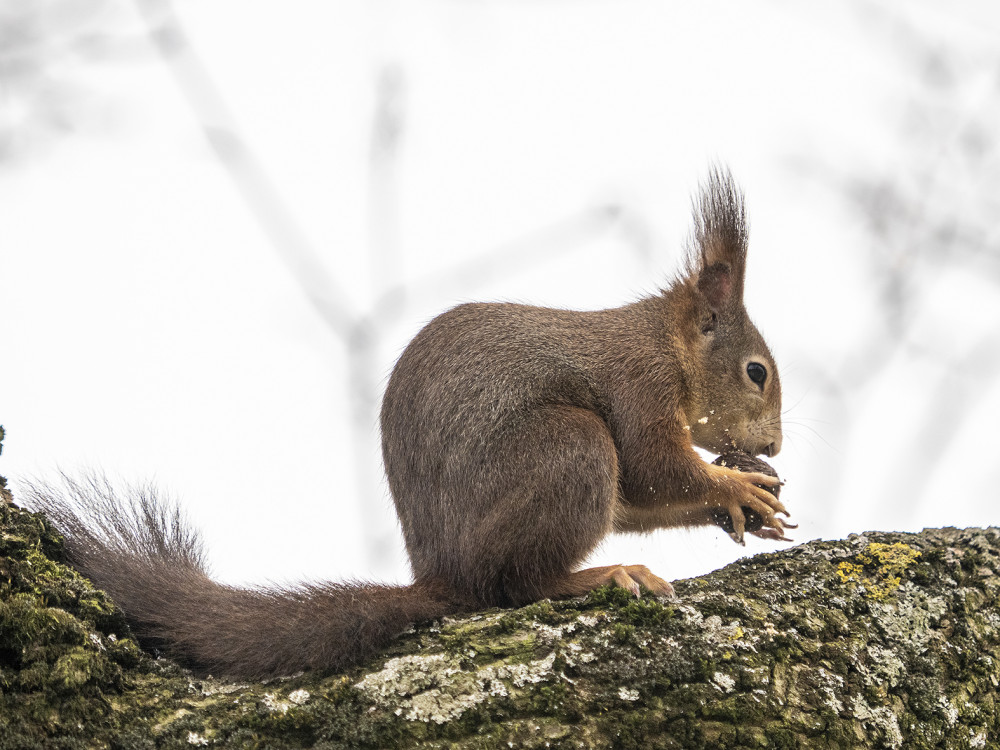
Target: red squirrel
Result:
[[514, 438]]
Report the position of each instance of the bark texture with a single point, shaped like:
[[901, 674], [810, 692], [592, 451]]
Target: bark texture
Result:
[[881, 640]]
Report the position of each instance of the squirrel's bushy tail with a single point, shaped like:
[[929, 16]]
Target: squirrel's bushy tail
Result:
[[139, 549]]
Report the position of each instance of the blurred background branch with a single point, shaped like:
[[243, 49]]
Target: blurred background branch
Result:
[[246, 171], [43, 46]]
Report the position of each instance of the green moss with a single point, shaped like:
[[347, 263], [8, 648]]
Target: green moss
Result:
[[542, 611], [645, 612], [780, 737], [623, 633]]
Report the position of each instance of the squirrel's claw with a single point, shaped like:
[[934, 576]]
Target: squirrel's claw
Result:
[[776, 535]]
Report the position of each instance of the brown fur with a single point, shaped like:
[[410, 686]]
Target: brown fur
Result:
[[515, 438]]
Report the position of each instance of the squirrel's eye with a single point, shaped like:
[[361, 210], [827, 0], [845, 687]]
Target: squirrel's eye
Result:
[[757, 373]]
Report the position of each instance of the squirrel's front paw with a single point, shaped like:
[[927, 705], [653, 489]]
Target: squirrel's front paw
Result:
[[752, 520], [749, 501]]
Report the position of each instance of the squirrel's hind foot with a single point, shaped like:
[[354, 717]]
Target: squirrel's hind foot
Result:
[[630, 577]]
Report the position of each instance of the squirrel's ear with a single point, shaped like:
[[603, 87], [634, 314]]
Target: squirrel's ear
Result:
[[716, 285], [717, 258]]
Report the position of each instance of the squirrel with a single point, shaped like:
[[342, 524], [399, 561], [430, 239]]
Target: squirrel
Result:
[[514, 439]]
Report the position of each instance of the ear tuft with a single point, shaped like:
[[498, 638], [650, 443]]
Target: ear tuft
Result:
[[717, 257]]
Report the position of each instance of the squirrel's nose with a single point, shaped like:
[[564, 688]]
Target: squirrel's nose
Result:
[[772, 449]]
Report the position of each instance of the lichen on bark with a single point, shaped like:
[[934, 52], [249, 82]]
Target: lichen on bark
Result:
[[879, 640]]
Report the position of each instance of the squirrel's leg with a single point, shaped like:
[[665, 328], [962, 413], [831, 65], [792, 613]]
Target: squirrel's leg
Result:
[[553, 499]]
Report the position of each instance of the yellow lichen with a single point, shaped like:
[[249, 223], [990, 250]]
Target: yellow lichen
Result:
[[879, 568], [849, 572]]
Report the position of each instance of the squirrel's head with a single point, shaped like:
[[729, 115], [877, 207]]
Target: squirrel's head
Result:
[[732, 391]]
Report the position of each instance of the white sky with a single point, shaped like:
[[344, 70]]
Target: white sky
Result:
[[148, 327]]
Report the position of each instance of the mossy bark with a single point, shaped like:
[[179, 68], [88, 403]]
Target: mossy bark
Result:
[[879, 640]]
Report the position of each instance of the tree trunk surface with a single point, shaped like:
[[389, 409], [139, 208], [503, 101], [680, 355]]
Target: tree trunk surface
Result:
[[880, 640]]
